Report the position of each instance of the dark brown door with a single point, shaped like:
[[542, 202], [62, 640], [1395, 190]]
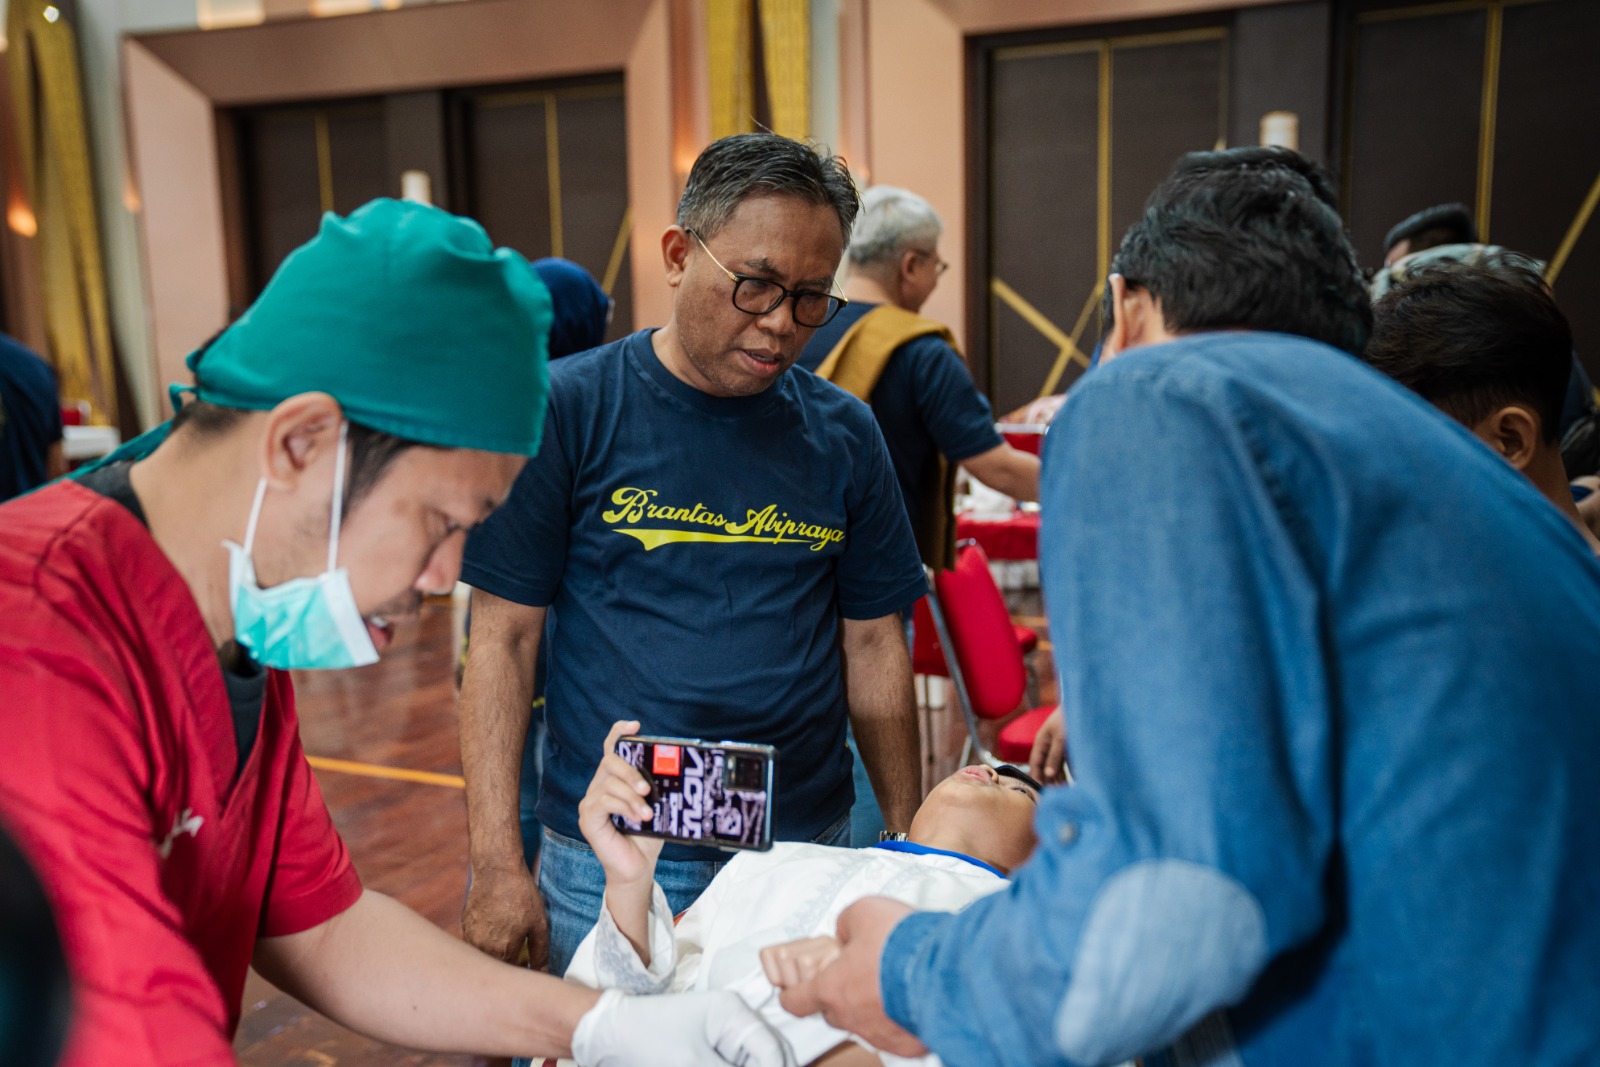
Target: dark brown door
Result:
[[545, 170], [1077, 133]]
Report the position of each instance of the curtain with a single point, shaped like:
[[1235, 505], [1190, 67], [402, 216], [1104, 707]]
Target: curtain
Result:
[[53, 147], [786, 39]]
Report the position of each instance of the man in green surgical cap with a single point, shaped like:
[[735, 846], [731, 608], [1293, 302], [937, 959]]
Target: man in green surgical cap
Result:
[[375, 403]]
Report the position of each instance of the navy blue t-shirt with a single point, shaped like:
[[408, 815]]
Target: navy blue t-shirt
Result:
[[925, 402], [696, 554], [30, 418]]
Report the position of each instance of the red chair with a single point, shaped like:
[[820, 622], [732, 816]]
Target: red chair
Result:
[[988, 675], [927, 654]]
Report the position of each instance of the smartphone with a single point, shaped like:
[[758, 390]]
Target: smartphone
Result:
[[716, 793]]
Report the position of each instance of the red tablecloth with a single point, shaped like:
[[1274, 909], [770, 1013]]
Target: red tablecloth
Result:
[[1015, 538], [1029, 439]]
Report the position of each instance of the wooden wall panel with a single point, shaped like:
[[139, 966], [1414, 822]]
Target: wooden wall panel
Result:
[[572, 204], [1042, 207], [1547, 149], [508, 182], [1167, 99], [358, 157], [297, 162], [283, 198], [594, 194], [1077, 134], [1416, 101]]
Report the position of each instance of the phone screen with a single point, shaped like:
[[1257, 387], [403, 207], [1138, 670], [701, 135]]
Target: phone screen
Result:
[[704, 793]]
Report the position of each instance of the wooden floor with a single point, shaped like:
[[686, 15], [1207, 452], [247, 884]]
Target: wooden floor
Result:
[[407, 830]]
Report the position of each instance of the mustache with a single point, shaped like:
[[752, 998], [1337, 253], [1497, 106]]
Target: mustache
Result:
[[406, 604]]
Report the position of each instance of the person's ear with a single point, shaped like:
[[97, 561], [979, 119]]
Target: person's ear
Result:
[[299, 431], [908, 267], [1514, 432], [675, 242], [1121, 332]]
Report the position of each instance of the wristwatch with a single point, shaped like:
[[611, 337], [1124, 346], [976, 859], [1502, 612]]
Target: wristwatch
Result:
[[890, 835]]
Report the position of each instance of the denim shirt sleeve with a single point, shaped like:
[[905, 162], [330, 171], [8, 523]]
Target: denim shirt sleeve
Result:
[[1185, 611]]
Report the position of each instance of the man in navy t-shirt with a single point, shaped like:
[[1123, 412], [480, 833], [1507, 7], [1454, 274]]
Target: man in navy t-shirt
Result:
[[30, 421], [719, 547], [924, 398]]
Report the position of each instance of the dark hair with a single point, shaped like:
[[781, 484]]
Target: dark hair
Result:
[[371, 451], [759, 164], [1006, 770], [35, 990], [1198, 165], [1248, 238], [1443, 224], [1580, 446], [1473, 338]]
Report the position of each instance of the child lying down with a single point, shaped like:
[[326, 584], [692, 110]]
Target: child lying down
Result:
[[971, 831]]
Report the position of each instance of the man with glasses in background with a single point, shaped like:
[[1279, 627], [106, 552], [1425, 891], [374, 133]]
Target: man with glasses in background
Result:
[[720, 549], [908, 368]]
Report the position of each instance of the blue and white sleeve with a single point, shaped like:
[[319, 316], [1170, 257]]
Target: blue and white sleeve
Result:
[[1187, 622]]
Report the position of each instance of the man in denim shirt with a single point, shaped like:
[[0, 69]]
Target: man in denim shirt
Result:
[[1327, 666]]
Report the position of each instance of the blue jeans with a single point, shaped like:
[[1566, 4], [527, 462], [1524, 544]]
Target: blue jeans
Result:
[[866, 818], [528, 798]]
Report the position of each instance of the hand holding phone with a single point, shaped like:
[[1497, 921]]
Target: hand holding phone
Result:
[[701, 792], [618, 790]]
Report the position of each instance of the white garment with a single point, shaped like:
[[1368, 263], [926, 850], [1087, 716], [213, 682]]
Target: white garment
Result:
[[796, 890]]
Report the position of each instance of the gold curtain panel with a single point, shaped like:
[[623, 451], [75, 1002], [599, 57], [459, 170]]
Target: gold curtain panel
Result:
[[54, 155], [786, 39], [731, 74]]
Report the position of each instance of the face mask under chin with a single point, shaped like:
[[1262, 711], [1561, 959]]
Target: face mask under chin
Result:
[[304, 623]]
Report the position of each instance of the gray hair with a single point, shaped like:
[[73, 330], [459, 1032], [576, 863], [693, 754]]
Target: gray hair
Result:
[[892, 220], [762, 164]]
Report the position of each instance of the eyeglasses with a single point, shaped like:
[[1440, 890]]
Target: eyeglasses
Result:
[[758, 296], [940, 266]]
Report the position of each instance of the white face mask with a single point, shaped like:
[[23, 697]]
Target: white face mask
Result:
[[305, 623]]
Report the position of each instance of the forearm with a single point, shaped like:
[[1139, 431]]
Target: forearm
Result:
[[386, 972], [1012, 471], [883, 716], [55, 461], [629, 905], [496, 700]]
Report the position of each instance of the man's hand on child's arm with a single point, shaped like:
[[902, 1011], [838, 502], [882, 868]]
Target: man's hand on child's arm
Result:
[[796, 962], [847, 990], [629, 861]]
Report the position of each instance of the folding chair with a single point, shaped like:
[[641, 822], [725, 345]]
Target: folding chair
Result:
[[987, 672], [927, 652]]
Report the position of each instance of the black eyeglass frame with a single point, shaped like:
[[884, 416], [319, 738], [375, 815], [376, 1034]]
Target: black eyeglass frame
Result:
[[835, 303]]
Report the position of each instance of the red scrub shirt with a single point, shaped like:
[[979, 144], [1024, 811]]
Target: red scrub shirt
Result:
[[118, 780]]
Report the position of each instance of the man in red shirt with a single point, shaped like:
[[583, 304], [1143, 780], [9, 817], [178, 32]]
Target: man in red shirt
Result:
[[375, 403]]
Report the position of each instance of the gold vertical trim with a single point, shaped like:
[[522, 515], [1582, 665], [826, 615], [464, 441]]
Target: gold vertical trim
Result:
[[324, 162], [1223, 71], [1581, 220], [1103, 176], [552, 155], [619, 247], [1491, 104]]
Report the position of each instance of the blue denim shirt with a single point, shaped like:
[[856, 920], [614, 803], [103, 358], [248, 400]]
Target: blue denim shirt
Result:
[[1331, 673]]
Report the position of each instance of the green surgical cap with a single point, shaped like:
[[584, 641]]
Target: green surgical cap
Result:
[[410, 318]]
